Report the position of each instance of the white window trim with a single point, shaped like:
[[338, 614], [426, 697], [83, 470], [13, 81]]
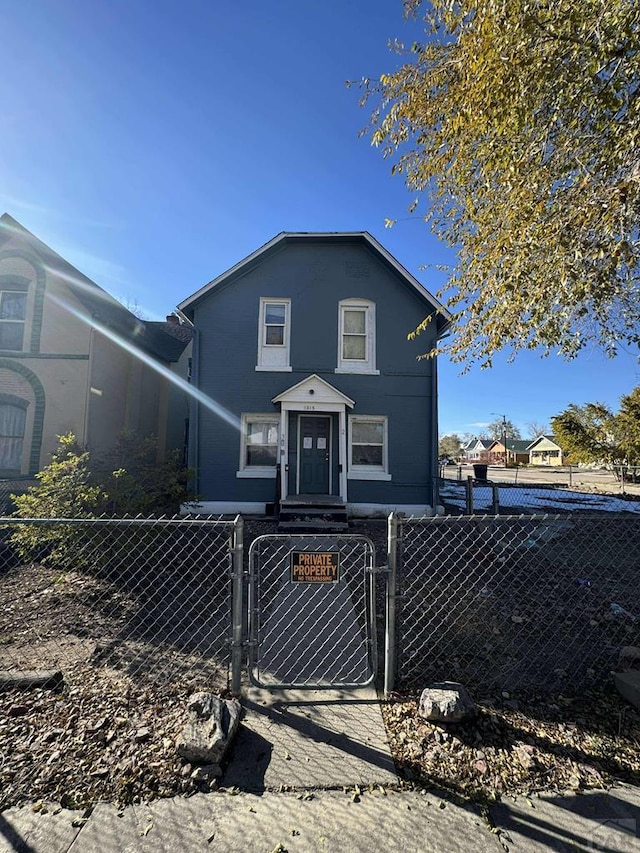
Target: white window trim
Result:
[[369, 472], [274, 357], [347, 365], [257, 472]]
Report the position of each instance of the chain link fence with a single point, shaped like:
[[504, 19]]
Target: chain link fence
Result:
[[148, 598], [312, 611], [135, 615], [538, 603], [469, 496], [10, 487]]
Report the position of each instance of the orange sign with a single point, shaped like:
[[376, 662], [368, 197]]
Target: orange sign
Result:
[[315, 567]]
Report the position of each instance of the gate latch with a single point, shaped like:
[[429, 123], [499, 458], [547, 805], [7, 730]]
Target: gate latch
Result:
[[379, 570]]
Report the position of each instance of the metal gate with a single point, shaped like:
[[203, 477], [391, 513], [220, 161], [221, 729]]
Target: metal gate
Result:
[[312, 611]]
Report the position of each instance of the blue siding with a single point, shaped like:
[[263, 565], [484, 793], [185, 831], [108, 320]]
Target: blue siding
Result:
[[315, 277]]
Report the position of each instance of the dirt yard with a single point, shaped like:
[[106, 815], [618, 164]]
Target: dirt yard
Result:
[[131, 653]]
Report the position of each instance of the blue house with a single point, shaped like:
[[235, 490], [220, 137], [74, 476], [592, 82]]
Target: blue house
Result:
[[308, 386]]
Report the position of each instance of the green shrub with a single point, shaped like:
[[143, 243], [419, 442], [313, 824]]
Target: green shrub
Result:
[[64, 490], [128, 482]]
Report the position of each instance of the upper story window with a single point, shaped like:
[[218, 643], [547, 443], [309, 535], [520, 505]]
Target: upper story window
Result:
[[356, 336], [13, 313], [274, 334]]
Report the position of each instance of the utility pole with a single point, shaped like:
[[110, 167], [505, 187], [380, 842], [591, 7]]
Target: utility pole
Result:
[[504, 436], [504, 440]]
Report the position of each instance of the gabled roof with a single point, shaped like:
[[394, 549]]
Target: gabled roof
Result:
[[540, 438], [518, 445], [153, 338], [443, 317], [323, 391]]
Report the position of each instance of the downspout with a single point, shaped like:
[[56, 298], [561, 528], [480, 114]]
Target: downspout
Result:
[[84, 440], [194, 422], [434, 435]]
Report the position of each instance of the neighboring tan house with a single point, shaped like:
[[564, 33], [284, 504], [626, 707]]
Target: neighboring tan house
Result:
[[314, 391], [477, 450], [73, 359], [544, 451], [517, 452]]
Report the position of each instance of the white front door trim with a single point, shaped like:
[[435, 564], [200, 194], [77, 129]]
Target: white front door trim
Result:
[[313, 395]]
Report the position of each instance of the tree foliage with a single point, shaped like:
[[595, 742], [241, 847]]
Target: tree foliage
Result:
[[594, 433], [450, 445], [497, 429], [521, 124]]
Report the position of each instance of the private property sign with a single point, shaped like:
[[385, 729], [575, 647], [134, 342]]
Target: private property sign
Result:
[[315, 567]]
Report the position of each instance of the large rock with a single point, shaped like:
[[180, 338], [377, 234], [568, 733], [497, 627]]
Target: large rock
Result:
[[447, 702], [629, 659], [210, 728]]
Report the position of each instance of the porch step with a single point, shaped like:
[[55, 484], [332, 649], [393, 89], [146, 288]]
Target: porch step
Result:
[[318, 526], [318, 514]]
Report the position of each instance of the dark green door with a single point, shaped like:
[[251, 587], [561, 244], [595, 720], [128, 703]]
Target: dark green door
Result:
[[314, 453]]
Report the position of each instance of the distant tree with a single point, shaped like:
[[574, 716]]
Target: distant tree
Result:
[[450, 445], [496, 429], [536, 428], [520, 123], [585, 433], [627, 423]]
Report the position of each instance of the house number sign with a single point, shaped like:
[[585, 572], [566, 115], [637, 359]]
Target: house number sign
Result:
[[315, 567]]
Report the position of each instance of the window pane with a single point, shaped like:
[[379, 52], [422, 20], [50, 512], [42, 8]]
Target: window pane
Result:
[[262, 432], [12, 422], [275, 335], [261, 443], [366, 454], [263, 456], [11, 336], [354, 322], [354, 346], [367, 432], [13, 306], [275, 313]]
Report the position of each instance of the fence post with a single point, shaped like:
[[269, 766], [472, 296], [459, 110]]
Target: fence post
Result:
[[495, 495], [237, 601], [392, 589], [469, 493]]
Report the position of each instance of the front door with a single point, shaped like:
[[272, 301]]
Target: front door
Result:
[[314, 453]]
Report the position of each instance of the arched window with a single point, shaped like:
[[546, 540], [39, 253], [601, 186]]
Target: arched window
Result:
[[13, 416], [13, 312]]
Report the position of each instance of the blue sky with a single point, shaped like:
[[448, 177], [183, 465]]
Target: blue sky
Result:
[[155, 144]]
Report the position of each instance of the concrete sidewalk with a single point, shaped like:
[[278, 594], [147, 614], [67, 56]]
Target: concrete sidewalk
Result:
[[322, 744], [335, 821]]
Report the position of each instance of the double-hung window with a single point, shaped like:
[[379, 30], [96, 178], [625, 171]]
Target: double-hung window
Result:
[[259, 445], [274, 334], [368, 448], [13, 413], [13, 313], [356, 336]]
